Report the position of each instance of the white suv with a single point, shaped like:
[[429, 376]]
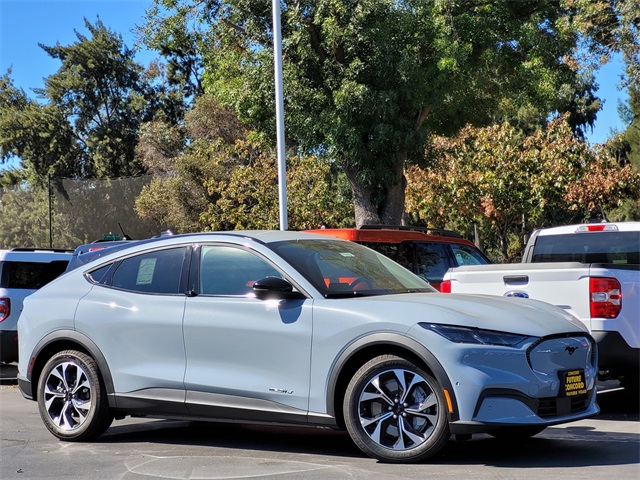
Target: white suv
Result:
[[22, 272]]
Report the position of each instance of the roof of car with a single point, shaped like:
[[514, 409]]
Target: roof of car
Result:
[[586, 227], [391, 234], [35, 254], [84, 255]]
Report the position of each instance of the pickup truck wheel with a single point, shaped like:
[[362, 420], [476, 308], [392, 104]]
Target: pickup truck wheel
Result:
[[72, 398], [395, 411]]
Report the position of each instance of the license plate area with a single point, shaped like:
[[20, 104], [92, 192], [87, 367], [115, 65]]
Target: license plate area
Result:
[[572, 383]]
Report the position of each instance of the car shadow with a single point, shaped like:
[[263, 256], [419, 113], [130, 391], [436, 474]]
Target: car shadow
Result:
[[304, 440], [557, 447]]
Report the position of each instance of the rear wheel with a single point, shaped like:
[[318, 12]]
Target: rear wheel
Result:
[[72, 398], [395, 411]]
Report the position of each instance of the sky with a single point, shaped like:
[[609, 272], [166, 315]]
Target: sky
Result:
[[26, 23]]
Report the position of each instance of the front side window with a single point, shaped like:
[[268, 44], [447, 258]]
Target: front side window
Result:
[[231, 271], [159, 271]]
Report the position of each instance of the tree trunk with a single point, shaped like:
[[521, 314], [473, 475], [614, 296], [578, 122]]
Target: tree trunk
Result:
[[372, 208]]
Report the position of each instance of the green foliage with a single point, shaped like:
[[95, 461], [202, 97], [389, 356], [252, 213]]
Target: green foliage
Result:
[[508, 184], [218, 175], [608, 27], [367, 81], [24, 214], [249, 199], [86, 124]]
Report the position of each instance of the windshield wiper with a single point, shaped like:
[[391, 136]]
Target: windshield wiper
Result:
[[352, 294]]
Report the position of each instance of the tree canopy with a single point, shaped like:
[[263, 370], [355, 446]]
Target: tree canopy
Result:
[[85, 122], [367, 81], [507, 184]]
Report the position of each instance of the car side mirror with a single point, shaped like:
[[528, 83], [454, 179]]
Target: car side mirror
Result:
[[275, 288]]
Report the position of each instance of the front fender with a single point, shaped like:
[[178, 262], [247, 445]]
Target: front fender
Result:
[[395, 343]]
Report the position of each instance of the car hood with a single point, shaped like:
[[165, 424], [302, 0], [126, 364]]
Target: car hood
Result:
[[518, 315]]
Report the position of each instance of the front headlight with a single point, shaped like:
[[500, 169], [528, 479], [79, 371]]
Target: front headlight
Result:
[[479, 336]]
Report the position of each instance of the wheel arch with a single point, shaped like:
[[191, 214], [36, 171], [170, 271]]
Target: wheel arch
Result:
[[366, 348], [67, 340]]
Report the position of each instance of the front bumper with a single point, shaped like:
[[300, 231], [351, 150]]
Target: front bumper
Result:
[[527, 385], [498, 408]]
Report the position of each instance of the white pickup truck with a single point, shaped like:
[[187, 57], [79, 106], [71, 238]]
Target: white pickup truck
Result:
[[590, 270]]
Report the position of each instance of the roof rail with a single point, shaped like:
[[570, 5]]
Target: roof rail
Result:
[[35, 249], [427, 230]]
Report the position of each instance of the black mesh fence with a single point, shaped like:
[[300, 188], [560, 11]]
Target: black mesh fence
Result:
[[74, 212]]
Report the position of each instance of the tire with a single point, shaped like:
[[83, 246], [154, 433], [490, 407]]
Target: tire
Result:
[[72, 398], [395, 411], [517, 433]]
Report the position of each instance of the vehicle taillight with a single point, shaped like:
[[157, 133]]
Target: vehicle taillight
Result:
[[606, 297], [5, 308], [445, 286], [599, 227]]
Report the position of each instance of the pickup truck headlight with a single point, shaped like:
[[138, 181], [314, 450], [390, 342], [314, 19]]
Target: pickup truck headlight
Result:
[[479, 336]]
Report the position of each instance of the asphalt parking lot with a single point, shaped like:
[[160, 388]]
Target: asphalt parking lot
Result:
[[607, 446]]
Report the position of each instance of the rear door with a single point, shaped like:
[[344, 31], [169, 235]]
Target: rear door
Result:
[[135, 313]]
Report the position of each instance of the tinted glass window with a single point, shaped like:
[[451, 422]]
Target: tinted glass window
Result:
[[154, 272], [595, 247], [432, 261], [466, 255], [398, 252], [345, 269], [228, 270], [30, 275], [100, 275]]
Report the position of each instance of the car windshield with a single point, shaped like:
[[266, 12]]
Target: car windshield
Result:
[[340, 269]]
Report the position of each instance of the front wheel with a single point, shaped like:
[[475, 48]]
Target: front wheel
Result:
[[72, 398], [395, 411]]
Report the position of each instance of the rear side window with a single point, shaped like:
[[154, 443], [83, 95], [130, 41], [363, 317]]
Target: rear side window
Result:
[[593, 247], [30, 275], [160, 271], [466, 255]]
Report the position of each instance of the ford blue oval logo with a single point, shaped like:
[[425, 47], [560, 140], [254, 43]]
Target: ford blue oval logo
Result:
[[517, 293]]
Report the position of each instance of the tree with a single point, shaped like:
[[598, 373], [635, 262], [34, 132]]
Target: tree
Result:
[[367, 81], [508, 184], [87, 121], [249, 200], [216, 174], [608, 27]]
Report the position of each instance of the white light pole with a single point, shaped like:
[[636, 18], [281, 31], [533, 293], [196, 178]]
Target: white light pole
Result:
[[282, 170]]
